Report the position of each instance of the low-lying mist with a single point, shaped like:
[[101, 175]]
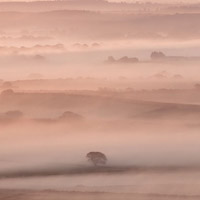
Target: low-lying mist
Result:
[[35, 145], [81, 78]]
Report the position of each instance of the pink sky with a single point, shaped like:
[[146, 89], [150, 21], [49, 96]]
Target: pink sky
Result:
[[159, 1]]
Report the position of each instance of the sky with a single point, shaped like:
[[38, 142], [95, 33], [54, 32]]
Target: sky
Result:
[[159, 1]]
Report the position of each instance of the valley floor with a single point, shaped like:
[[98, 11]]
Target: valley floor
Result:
[[55, 195]]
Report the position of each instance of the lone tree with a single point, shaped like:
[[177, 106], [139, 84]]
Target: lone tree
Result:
[[157, 55], [97, 158]]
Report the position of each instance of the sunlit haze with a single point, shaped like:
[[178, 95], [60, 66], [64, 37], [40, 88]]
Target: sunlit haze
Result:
[[100, 100]]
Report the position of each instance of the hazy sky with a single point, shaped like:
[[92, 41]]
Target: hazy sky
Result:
[[160, 1]]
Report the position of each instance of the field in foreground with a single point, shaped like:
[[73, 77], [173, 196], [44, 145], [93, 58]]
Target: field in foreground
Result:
[[55, 195]]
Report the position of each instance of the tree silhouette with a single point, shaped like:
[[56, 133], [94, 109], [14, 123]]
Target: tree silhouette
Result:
[[157, 55], [97, 158]]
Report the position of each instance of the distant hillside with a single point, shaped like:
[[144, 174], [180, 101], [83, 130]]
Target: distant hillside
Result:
[[102, 5], [88, 24], [98, 106]]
